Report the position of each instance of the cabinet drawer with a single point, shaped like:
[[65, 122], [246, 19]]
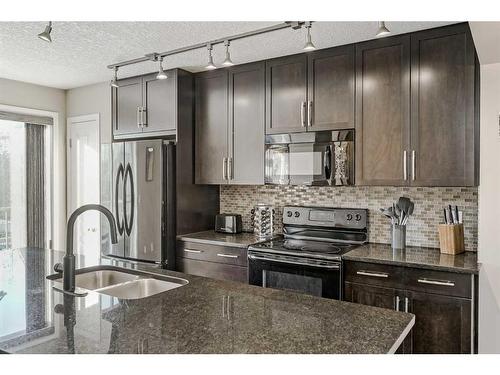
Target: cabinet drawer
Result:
[[213, 270], [439, 282], [374, 274], [212, 253]]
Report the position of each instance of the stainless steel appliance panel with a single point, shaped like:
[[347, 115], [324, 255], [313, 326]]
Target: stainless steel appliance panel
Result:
[[114, 190], [143, 178]]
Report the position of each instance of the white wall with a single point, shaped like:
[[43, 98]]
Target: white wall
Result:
[[26, 95], [92, 99], [489, 209]]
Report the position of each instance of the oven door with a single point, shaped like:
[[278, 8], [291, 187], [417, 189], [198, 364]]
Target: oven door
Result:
[[319, 278]]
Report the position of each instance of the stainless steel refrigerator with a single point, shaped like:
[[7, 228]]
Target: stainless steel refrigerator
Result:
[[141, 185]]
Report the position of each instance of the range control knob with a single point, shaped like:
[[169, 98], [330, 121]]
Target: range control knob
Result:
[[358, 217], [349, 217], [297, 213], [289, 213]]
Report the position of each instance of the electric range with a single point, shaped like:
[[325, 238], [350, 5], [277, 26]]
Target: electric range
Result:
[[308, 259]]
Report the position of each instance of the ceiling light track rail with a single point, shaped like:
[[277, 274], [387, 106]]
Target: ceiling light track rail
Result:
[[155, 56]]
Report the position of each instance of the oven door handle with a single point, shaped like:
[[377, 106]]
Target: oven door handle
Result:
[[329, 265]]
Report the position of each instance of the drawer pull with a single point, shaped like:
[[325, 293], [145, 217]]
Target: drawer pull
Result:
[[373, 274], [193, 251], [227, 256], [436, 282]]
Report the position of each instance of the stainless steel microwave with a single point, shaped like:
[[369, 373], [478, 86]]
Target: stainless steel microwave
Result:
[[310, 158]]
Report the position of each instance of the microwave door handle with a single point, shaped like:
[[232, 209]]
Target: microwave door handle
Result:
[[328, 163]]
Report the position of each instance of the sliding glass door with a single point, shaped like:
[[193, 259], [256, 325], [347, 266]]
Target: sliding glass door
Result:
[[24, 185]]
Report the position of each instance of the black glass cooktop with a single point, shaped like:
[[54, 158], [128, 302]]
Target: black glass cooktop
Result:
[[306, 248]]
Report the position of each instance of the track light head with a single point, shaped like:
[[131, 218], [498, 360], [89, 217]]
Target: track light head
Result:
[[45, 35], [114, 81], [161, 73], [382, 30], [227, 61], [210, 64], [309, 46]]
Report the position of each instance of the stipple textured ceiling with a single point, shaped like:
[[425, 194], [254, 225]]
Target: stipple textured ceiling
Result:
[[80, 51]]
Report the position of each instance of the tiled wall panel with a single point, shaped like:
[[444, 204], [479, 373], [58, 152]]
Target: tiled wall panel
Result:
[[422, 226]]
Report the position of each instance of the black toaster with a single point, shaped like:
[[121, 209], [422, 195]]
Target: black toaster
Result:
[[228, 223]]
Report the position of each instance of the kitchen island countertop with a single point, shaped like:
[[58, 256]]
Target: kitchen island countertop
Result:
[[204, 316]]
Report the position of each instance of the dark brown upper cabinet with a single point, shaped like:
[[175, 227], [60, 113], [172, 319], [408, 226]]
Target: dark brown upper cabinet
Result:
[[330, 91], [383, 111], [286, 94], [211, 102], [147, 107], [444, 130], [417, 118], [310, 92], [230, 120]]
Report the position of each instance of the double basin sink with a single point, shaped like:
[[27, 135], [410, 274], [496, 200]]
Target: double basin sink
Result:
[[122, 283]]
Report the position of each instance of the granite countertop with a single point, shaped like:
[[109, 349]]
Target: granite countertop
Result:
[[420, 257], [212, 237], [35, 318]]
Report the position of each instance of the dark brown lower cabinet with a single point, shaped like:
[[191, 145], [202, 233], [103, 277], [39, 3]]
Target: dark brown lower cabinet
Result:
[[442, 324], [444, 303]]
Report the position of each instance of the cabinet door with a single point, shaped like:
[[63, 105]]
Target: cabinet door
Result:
[[372, 296], [127, 99], [331, 89], [246, 124], [442, 323], [382, 111], [442, 98], [211, 97], [286, 83], [160, 101]]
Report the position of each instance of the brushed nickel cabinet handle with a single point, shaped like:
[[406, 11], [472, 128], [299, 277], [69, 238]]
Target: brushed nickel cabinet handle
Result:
[[397, 304], [230, 168], [224, 168], [436, 282], [373, 274], [406, 303], [193, 251], [309, 113], [227, 256], [144, 117], [303, 114], [413, 165], [405, 169], [139, 117]]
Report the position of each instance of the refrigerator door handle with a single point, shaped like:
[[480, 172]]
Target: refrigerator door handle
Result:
[[119, 220], [129, 179]]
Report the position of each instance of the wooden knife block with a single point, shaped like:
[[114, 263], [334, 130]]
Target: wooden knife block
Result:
[[451, 238]]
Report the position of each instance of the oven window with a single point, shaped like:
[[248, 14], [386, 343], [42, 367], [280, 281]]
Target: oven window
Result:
[[288, 281]]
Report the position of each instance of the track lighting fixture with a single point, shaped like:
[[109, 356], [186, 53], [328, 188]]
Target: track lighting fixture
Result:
[[382, 30], [309, 46], [227, 61], [114, 81], [45, 35], [210, 64], [161, 73]]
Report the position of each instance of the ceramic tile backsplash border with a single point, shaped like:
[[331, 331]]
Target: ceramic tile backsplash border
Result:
[[422, 226]]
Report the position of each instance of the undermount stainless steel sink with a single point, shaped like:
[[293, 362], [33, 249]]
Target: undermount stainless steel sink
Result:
[[102, 279], [122, 283], [140, 288]]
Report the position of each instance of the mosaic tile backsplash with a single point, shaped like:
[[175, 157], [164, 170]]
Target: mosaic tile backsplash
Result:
[[422, 226]]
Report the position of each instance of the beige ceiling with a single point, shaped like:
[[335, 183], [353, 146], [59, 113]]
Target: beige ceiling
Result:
[[80, 51]]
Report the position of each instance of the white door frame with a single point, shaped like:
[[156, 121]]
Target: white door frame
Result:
[[71, 121]]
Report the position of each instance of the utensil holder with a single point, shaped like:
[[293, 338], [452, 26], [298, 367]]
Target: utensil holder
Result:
[[398, 236], [451, 238]]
